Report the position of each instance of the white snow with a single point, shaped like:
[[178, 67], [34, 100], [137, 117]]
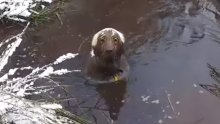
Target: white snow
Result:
[[169, 117], [35, 70], [9, 52], [21, 92], [177, 102], [65, 57], [14, 107], [47, 72], [195, 85], [18, 9], [26, 68], [22, 111], [61, 72], [11, 47], [145, 98], [12, 92], [160, 121], [77, 70], [52, 106], [12, 71], [4, 78], [201, 91], [155, 101]]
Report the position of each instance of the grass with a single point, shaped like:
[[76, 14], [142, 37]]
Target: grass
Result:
[[41, 17], [48, 14], [213, 88]]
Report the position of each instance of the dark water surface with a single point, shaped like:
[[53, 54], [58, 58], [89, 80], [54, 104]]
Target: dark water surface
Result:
[[169, 43]]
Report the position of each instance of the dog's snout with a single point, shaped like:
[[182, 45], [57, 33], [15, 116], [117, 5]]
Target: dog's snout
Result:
[[108, 47]]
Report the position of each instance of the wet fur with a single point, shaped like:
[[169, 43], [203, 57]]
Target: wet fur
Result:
[[103, 66]]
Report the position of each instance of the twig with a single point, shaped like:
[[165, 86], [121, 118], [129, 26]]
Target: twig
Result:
[[171, 105], [59, 18]]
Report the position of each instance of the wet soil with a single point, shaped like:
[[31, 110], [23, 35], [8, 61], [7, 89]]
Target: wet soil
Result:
[[169, 44]]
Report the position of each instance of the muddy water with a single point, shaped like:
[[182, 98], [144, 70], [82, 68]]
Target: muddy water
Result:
[[169, 44]]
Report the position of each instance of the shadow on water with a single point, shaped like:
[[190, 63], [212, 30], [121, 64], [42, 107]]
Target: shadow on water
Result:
[[169, 43], [113, 95]]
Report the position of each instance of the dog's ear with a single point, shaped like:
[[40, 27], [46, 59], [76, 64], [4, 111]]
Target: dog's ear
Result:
[[121, 36], [121, 48], [96, 48]]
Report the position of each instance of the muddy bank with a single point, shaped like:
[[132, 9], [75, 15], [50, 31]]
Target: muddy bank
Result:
[[169, 44]]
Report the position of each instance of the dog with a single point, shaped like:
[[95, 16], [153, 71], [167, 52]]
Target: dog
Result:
[[108, 61]]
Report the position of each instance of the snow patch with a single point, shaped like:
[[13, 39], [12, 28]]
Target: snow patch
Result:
[[201, 92], [47, 72], [12, 71], [169, 117], [195, 85], [177, 102], [160, 121], [52, 106], [155, 101], [145, 98], [65, 57], [19, 10], [11, 47], [61, 72], [9, 52]]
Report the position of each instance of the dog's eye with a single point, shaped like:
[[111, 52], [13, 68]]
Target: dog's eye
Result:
[[102, 40], [115, 40]]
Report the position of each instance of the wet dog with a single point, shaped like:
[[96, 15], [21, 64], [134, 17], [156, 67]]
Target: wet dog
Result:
[[108, 61]]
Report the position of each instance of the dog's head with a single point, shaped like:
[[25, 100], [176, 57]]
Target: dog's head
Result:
[[108, 44]]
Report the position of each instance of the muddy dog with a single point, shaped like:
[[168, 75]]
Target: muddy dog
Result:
[[108, 61]]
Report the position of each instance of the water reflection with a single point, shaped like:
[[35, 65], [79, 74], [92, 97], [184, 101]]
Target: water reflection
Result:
[[113, 95]]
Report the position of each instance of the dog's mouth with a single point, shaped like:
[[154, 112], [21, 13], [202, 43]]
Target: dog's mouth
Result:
[[109, 57]]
